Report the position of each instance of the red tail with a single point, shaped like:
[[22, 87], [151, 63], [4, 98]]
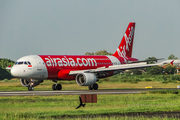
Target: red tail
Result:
[[172, 62], [125, 48]]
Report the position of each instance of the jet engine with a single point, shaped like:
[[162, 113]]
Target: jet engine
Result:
[[27, 82], [86, 79]]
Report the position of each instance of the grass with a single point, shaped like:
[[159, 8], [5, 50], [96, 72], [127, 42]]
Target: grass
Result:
[[115, 82], [47, 85], [63, 106], [108, 107], [129, 118]]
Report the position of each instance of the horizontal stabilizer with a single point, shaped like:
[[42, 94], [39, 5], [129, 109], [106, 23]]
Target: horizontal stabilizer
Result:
[[9, 67]]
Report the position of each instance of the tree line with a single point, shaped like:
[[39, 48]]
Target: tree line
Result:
[[5, 74]]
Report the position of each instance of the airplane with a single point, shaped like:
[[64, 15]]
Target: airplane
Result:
[[175, 62], [85, 69]]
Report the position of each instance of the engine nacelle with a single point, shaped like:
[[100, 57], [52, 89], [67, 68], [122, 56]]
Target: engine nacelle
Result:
[[27, 82], [86, 79]]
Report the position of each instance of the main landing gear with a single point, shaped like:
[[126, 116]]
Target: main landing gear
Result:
[[93, 86], [56, 86]]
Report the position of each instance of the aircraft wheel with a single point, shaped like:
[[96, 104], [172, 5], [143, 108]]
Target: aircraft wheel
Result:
[[30, 88], [58, 87], [54, 86], [90, 87], [95, 86]]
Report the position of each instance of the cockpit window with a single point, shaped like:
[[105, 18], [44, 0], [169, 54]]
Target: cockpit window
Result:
[[19, 63], [23, 62], [29, 63]]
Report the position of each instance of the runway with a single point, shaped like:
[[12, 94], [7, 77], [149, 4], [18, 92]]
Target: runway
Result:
[[75, 92]]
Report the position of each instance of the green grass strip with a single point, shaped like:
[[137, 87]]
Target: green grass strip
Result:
[[63, 106]]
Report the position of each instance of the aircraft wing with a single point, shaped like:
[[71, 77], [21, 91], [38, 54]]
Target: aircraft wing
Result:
[[114, 68]]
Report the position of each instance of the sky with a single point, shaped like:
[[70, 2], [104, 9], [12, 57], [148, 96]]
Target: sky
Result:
[[74, 27]]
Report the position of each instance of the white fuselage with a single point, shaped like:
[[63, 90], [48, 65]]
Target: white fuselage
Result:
[[35, 68]]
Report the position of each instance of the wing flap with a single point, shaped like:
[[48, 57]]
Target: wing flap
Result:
[[129, 62]]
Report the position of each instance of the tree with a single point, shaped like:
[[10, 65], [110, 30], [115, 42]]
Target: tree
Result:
[[4, 62], [172, 57], [155, 70], [100, 52], [136, 71], [5, 74], [88, 53], [170, 69], [151, 58]]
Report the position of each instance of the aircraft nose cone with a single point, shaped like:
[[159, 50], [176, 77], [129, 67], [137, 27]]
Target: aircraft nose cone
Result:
[[14, 72]]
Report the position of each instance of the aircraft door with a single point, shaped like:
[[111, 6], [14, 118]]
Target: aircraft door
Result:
[[39, 64], [40, 70]]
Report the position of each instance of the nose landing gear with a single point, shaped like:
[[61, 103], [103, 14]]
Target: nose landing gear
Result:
[[31, 86]]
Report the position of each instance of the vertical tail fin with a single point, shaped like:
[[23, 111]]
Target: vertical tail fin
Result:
[[125, 48], [172, 62]]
